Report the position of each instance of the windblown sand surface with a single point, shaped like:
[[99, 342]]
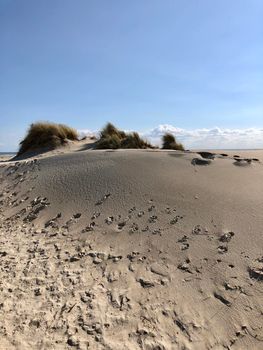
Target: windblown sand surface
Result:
[[131, 250]]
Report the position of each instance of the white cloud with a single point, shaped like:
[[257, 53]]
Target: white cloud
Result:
[[203, 138], [87, 132], [210, 138]]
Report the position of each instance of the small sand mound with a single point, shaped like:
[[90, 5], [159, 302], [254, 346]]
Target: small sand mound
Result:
[[200, 161], [206, 155], [242, 162]]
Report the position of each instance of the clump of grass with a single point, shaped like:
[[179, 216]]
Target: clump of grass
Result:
[[46, 135], [111, 130], [113, 138], [169, 142], [133, 140], [110, 141]]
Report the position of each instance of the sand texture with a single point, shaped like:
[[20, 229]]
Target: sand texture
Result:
[[132, 249]]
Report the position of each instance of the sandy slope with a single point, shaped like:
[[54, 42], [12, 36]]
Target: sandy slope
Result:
[[131, 250]]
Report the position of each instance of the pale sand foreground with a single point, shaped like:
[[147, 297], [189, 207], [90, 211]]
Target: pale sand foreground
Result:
[[131, 250]]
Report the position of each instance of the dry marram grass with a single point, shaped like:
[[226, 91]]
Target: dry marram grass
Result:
[[169, 142], [113, 138], [46, 135]]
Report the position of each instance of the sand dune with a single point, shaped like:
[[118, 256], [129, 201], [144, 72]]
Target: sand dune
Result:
[[132, 249]]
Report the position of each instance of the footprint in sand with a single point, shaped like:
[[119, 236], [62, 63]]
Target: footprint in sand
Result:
[[73, 220], [89, 228], [256, 269], [226, 237], [121, 225], [103, 199], [176, 219], [153, 219], [199, 230], [37, 205], [222, 249], [185, 245], [109, 220]]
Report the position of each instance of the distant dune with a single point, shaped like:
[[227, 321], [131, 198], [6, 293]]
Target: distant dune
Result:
[[132, 249]]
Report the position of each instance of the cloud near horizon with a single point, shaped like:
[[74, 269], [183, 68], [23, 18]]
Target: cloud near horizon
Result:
[[214, 138]]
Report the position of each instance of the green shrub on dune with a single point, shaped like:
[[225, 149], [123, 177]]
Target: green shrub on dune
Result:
[[169, 142], [46, 135], [113, 138]]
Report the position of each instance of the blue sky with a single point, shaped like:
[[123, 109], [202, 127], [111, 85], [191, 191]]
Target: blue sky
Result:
[[190, 64]]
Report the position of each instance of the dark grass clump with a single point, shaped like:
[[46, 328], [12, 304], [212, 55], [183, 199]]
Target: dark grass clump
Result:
[[169, 142], [111, 141], [45, 135], [113, 138], [111, 130]]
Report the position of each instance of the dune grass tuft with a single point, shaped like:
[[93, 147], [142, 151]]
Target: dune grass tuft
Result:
[[111, 130], [113, 138], [169, 142], [46, 135]]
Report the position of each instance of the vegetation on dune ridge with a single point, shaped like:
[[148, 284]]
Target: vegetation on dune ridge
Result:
[[113, 138], [169, 142], [46, 135]]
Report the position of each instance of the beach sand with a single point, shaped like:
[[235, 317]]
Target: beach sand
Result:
[[131, 249]]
